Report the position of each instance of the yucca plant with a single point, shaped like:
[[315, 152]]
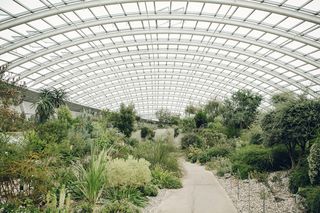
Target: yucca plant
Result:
[[60, 205], [91, 179]]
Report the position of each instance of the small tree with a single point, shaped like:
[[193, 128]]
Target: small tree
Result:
[[213, 108], [314, 162], [293, 124], [240, 111], [165, 117], [124, 120], [201, 119], [11, 94], [48, 101]]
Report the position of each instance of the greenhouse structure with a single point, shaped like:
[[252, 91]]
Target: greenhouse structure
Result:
[[163, 106]]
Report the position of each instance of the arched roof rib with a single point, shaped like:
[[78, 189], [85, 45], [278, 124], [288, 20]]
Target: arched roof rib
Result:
[[162, 53]]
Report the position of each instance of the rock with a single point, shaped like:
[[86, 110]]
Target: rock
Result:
[[227, 175], [278, 199]]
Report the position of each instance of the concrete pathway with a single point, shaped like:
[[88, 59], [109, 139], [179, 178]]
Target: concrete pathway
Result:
[[201, 193]]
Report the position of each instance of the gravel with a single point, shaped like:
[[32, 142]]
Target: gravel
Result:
[[253, 196]]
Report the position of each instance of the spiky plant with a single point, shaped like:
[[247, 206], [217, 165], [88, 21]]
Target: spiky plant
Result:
[[91, 179]]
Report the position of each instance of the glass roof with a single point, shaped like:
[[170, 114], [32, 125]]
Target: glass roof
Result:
[[162, 54]]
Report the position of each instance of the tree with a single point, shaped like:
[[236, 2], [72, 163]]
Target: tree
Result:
[[48, 101], [124, 120], [11, 94], [165, 117], [191, 110], [213, 108], [240, 111], [314, 162], [293, 124], [201, 119]]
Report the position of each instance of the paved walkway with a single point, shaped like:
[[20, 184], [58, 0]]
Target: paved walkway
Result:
[[201, 193]]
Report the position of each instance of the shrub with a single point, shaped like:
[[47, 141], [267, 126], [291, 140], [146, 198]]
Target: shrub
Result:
[[250, 158], [218, 151], [191, 139], [146, 132], [120, 206], [201, 119], [91, 180], [314, 163], [212, 138], [130, 194], [130, 172], [165, 179], [298, 178], [312, 198], [33, 142], [150, 190], [131, 142], [176, 132], [159, 153], [188, 124], [53, 131], [280, 158], [194, 153], [221, 165]]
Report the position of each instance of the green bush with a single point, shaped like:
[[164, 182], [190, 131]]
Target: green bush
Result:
[[150, 190], [221, 165], [120, 206], [130, 172], [193, 154], [298, 178], [191, 139], [131, 194], [212, 138], [53, 131], [159, 153], [217, 151], [165, 179], [33, 142], [250, 158], [312, 198], [146, 132], [280, 158], [314, 163]]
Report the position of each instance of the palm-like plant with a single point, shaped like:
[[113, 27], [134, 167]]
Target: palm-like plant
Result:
[[48, 101], [91, 180]]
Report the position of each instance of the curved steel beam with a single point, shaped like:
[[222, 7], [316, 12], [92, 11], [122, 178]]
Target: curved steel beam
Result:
[[159, 31], [260, 79], [49, 75], [86, 24], [239, 51], [83, 5], [87, 96]]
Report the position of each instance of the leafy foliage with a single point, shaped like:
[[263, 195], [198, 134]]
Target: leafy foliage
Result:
[[240, 111], [293, 125], [159, 153], [299, 177], [314, 162], [48, 101], [130, 172], [147, 132], [201, 119], [191, 139], [91, 179], [165, 117], [124, 120], [11, 94], [250, 158], [312, 198], [130, 194], [165, 179]]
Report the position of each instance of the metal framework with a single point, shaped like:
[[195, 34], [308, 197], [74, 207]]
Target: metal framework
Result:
[[162, 54]]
